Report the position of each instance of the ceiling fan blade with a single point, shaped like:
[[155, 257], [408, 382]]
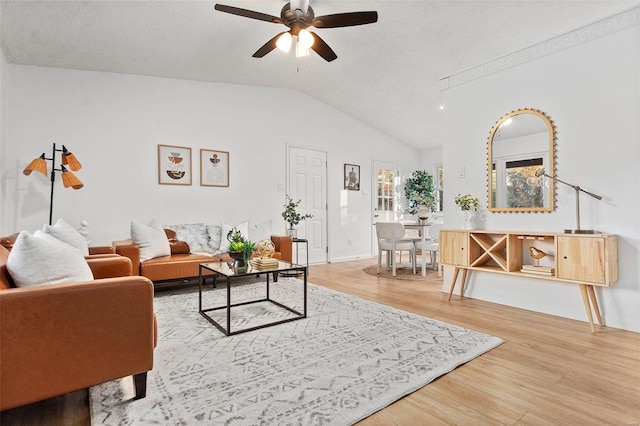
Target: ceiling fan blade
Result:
[[322, 48], [248, 13], [267, 47], [348, 19]]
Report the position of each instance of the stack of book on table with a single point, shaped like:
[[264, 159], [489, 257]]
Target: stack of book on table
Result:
[[264, 262], [540, 270]]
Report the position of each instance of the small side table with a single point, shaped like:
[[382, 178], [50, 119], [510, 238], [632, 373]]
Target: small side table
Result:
[[304, 241], [297, 242]]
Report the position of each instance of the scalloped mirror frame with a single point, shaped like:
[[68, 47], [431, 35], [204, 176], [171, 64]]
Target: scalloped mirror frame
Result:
[[552, 156]]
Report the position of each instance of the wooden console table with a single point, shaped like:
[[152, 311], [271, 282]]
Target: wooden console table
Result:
[[585, 259]]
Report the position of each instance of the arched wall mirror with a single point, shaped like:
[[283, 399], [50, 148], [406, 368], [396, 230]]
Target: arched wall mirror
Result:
[[519, 144]]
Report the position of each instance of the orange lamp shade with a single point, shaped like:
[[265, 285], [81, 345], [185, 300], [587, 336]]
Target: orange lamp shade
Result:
[[39, 165], [70, 160], [70, 180]]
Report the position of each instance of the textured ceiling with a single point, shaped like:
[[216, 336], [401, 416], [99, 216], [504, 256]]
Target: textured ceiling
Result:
[[386, 75]]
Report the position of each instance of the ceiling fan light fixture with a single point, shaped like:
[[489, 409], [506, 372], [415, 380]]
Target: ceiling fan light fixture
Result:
[[284, 42], [305, 39]]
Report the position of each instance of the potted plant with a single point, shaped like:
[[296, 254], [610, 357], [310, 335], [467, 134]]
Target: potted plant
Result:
[[240, 248], [419, 190], [468, 205], [292, 217]]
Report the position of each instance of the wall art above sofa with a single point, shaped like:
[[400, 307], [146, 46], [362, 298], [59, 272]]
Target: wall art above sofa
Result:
[[174, 165]]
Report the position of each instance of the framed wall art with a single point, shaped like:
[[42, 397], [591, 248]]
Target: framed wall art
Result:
[[214, 167], [174, 165], [352, 177]]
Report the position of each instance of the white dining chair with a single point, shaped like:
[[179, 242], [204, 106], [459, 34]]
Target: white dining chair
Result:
[[391, 239]]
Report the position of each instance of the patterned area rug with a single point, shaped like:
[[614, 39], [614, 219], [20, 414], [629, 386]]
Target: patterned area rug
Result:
[[347, 360]]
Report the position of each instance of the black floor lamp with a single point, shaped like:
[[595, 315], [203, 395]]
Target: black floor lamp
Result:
[[68, 179]]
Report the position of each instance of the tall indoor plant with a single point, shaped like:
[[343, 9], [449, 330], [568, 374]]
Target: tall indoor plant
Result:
[[420, 192], [292, 217]]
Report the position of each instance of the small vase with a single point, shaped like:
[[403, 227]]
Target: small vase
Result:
[[423, 214], [238, 258], [468, 215], [292, 232]]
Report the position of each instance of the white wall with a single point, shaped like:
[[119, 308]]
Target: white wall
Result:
[[591, 93], [114, 122], [429, 158], [3, 79]]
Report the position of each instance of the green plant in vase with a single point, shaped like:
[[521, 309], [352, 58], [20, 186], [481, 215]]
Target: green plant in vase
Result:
[[240, 248], [420, 192], [466, 202], [291, 215], [468, 205]]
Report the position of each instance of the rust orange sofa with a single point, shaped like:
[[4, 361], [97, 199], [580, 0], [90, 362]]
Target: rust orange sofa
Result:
[[60, 338], [181, 265]]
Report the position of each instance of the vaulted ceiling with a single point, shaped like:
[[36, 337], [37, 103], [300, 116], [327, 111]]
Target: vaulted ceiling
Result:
[[387, 74]]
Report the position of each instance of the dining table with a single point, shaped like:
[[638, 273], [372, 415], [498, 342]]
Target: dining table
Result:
[[423, 230]]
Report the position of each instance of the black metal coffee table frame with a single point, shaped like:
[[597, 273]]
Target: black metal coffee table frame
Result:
[[225, 270]]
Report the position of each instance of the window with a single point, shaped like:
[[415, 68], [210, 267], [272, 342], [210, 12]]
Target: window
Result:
[[385, 199]]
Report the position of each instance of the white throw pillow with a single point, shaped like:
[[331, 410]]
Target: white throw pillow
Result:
[[259, 232], [152, 242], [226, 228], [155, 225], [43, 259], [67, 234]]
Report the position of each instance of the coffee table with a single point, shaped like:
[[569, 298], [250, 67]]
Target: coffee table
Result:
[[224, 269]]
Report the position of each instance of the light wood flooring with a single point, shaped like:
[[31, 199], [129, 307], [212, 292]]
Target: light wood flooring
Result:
[[549, 371]]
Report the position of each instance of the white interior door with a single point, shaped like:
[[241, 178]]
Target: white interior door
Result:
[[384, 179], [307, 182]]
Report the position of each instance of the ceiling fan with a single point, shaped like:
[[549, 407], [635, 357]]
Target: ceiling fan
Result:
[[298, 16]]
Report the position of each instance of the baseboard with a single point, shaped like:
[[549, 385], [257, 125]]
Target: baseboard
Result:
[[350, 258]]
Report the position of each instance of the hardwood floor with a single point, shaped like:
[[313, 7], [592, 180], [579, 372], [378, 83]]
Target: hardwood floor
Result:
[[549, 371]]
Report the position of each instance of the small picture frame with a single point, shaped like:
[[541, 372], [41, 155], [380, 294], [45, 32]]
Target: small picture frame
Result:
[[174, 165], [214, 167], [352, 177]]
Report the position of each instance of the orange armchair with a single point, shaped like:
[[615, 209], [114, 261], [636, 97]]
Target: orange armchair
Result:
[[56, 339]]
